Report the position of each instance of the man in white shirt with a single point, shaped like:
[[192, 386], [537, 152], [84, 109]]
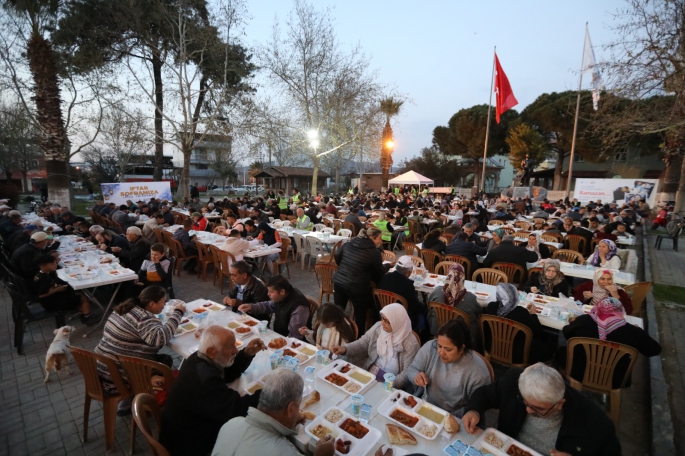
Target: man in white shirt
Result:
[[235, 244]]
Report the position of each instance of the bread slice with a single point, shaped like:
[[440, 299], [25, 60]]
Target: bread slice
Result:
[[313, 399], [451, 424], [399, 436], [308, 415]]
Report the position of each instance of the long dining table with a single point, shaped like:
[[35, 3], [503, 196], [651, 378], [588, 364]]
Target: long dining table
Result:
[[187, 344]]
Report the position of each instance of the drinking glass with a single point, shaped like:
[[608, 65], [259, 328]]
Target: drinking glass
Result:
[[365, 413]]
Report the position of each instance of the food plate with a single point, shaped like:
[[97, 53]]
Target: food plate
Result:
[[414, 414], [205, 305], [241, 331], [346, 377], [119, 272], [345, 427], [482, 295], [297, 349], [540, 299], [187, 325], [497, 443]]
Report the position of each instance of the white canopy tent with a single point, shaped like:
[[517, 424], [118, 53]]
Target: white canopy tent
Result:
[[410, 178]]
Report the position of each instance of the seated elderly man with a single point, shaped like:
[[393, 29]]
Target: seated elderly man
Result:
[[156, 222], [200, 402], [139, 248], [94, 230], [399, 282], [303, 222], [248, 288], [544, 413], [269, 428]]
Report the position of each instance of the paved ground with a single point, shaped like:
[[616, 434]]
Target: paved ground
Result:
[[48, 419], [668, 268]]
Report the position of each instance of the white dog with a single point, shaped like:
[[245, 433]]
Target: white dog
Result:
[[57, 352]]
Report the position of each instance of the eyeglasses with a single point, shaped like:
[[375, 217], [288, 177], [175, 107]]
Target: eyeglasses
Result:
[[538, 410]]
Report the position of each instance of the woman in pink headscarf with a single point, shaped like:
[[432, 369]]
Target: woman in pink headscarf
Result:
[[607, 321], [602, 286]]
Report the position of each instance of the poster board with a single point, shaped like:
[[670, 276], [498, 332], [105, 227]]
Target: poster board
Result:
[[120, 192], [619, 190]]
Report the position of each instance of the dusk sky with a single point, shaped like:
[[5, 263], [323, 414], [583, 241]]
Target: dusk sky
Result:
[[439, 53]]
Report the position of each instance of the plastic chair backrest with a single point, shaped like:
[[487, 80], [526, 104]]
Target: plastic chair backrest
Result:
[[325, 273], [387, 255], [487, 363], [409, 248], [345, 232], [418, 262], [87, 364], [350, 226], [384, 297], [502, 333], [490, 276], [430, 259], [139, 372], [568, 256], [465, 262], [601, 359], [144, 404], [576, 242], [446, 313], [511, 269], [638, 292]]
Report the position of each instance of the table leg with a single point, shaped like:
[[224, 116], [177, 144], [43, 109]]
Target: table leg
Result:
[[105, 311]]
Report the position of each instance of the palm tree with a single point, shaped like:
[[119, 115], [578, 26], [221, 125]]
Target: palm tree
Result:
[[390, 107], [41, 17]]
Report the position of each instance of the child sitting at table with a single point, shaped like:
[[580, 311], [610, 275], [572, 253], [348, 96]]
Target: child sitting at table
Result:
[[332, 328], [155, 268], [55, 294]]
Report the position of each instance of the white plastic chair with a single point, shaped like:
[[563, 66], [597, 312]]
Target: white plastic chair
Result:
[[278, 225], [285, 222], [271, 219], [315, 248], [345, 233], [318, 227], [327, 230], [302, 248]]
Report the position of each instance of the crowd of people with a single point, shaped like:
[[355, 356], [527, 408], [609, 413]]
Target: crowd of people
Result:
[[441, 364]]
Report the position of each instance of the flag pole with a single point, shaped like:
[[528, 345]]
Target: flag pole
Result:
[[487, 128], [575, 128]]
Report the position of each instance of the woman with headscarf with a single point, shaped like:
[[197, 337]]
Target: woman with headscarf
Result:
[[607, 321], [453, 293], [271, 238], [506, 306], [497, 236], [536, 245], [606, 255], [388, 347], [445, 372], [550, 282], [602, 286]]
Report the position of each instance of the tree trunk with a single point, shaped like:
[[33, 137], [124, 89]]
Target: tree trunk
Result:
[[25, 181], [159, 109], [184, 185], [680, 194], [558, 169], [49, 115], [315, 177], [337, 180]]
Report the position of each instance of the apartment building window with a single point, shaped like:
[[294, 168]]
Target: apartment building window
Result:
[[577, 158], [621, 156]]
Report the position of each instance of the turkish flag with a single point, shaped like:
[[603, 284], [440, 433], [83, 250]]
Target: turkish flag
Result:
[[504, 95]]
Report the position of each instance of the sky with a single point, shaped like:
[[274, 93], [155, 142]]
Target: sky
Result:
[[439, 53]]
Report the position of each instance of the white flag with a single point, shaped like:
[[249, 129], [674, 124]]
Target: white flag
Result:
[[590, 64]]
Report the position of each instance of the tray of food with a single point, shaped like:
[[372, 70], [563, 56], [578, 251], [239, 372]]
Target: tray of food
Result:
[[417, 415], [204, 305], [482, 296], [352, 437], [346, 377], [187, 325], [497, 443], [241, 331], [119, 272], [293, 347], [72, 262], [538, 299]]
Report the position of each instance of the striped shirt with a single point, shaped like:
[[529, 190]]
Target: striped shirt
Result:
[[137, 334]]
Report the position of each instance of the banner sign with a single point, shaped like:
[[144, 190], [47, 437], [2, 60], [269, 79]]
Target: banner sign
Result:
[[619, 190], [120, 192]]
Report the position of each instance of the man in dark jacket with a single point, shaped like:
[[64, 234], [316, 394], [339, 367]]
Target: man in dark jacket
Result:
[[24, 259], [20, 238], [247, 290], [140, 247], [544, 413], [10, 226], [200, 402], [69, 222], [183, 236], [290, 306], [168, 215], [399, 283], [353, 218], [461, 245], [507, 252]]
